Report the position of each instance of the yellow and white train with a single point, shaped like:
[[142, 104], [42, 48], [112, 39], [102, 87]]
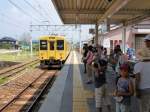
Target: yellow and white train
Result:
[[53, 50]]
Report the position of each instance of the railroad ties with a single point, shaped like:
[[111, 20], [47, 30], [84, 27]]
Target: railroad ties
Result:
[[22, 92]]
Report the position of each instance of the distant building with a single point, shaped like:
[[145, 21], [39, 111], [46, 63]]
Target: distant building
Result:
[[8, 43]]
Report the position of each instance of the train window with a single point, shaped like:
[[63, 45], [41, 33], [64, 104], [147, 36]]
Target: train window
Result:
[[51, 45], [60, 44], [43, 45]]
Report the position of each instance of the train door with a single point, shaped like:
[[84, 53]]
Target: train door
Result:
[[52, 48], [60, 49]]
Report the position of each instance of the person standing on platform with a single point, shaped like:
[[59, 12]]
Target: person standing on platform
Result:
[[101, 93], [124, 90], [85, 51], [89, 59], [111, 60], [114, 56], [104, 54], [142, 74]]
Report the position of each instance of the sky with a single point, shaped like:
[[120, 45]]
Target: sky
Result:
[[16, 16]]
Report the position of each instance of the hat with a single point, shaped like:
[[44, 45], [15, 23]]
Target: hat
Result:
[[143, 54], [124, 66], [147, 37]]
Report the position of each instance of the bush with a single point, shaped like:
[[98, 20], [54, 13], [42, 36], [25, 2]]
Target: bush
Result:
[[6, 46]]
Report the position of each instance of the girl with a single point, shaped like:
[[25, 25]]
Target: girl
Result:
[[124, 90]]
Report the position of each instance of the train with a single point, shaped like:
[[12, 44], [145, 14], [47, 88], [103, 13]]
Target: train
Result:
[[53, 50]]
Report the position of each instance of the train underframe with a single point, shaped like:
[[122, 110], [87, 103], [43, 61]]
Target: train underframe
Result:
[[52, 63]]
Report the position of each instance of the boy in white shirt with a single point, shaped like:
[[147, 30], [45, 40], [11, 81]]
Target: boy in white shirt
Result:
[[142, 73]]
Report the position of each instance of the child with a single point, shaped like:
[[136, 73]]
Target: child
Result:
[[100, 86], [124, 90]]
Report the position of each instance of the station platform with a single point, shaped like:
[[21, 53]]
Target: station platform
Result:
[[70, 93]]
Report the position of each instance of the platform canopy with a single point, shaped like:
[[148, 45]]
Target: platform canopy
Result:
[[97, 11]]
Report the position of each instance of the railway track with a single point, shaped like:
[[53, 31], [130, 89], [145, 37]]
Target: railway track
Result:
[[21, 94], [11, 71]]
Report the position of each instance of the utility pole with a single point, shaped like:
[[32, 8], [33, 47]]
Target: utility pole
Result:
[[31, 49]]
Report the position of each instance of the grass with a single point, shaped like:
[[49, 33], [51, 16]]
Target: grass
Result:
[[2, 81], [18, 57]]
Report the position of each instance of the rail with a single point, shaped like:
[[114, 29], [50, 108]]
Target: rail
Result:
[[48, 80], [16, 69]]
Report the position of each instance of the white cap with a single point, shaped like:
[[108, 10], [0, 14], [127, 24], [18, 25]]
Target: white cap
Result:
[[147, 37]]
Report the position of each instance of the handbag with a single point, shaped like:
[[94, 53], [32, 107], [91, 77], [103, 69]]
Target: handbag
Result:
[[118, 99]]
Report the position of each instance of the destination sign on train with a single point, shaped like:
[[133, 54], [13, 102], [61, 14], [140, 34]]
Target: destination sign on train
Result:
[[51, 37]]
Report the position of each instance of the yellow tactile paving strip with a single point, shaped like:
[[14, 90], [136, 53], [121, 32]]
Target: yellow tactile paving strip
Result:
[[80, 95]]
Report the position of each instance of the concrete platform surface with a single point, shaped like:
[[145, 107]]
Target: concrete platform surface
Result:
[[70, 93]]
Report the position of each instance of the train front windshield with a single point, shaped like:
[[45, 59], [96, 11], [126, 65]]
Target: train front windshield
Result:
[[43, 45], [60, 44]]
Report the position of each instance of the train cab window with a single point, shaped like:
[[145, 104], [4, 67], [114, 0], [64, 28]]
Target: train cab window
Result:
[[43, 45], [51, 45], [60, 44]]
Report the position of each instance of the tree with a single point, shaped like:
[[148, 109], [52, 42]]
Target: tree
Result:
[[25, 37], [24, 40]]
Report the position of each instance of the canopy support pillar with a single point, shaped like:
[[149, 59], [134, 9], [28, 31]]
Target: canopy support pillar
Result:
[[96, 34], [124, 39]]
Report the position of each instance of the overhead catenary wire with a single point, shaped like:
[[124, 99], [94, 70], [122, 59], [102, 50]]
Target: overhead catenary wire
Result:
[[14, 25], [45, 12], [50, 7], [20, 9], [35, 9], [12, 22]]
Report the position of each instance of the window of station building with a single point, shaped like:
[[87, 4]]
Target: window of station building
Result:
[[52, 45], [43, 45], [60, 44]]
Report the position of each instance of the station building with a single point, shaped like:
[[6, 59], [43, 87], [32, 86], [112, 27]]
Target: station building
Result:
[[134, 36]]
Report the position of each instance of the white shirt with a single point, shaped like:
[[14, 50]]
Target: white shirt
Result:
[[144, 69]]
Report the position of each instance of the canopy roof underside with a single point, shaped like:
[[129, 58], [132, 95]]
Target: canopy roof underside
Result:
[[93, 11]]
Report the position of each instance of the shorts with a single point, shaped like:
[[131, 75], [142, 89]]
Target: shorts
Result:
[[101, 96], [89, 71]]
